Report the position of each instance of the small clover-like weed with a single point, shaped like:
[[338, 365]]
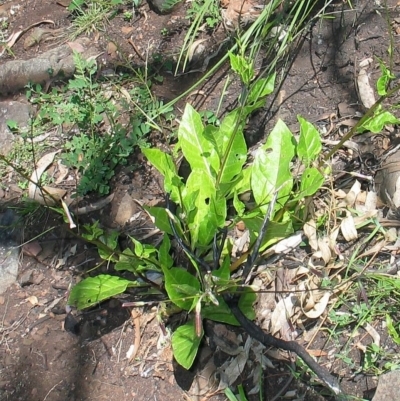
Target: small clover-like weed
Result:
[[83, 106]]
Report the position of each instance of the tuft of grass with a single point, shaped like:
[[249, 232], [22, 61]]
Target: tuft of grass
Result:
[[91, 15]]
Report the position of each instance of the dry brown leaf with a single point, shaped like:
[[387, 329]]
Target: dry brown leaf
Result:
[[374, 250], [351, 197], [349, 229], [317, 352], [369, 201], [194, 46], [234, 367], [112, 50], [34, 192], [63, 172], [10, 42], [319, 306], [310, 230], [126, 30], [33, 300], [76, 46], [324, 247], [283, 311], [288, 244], [367, 95]]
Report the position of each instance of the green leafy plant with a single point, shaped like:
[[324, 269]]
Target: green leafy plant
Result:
[[210, 12], [84, 106], [232, 397], [218, 177]]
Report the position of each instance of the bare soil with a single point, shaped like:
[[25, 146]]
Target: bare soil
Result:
[[45, 358]]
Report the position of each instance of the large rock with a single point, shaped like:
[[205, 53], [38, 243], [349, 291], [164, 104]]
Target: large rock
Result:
[[388, 387], [18, 113], [9, 249]]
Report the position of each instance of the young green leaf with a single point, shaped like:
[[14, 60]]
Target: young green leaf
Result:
[[309, 146], [231, 147], [175, 277], [311, 182], [209, 212], [276, 231], [198, 150], [242, 67], [93, 290], [163, 253], [161, 218], [143, 250], [376, 123], [222, 313], [166, 166], [261, 88], [391, 330], [384, 80], [185, 343]]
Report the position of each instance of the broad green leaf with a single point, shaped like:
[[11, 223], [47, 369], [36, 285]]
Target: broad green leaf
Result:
[[244, 185], [243, 67], [238, 205], [275, 231], [261, 88], [311, 182], [185, 290], [309, 146], [377, 122], [143, 250], [222, 313], [232, 150], [271, 167], [127, 261], [166, 166], [110, 240], [161, 218], [93, 290], [185, 344], [92, 231], [209, 212], [223, 272], [246, 304], [175, 277], [384, 80], [199, 152], [163, 253]]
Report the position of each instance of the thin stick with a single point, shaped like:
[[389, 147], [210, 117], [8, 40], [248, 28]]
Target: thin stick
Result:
[[45, 398]]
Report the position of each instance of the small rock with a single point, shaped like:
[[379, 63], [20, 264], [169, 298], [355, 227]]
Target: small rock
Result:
[[26, 278], [27, 341], [388, 387], [10, 233], [125, 210], [37, 279], [163, 6]]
